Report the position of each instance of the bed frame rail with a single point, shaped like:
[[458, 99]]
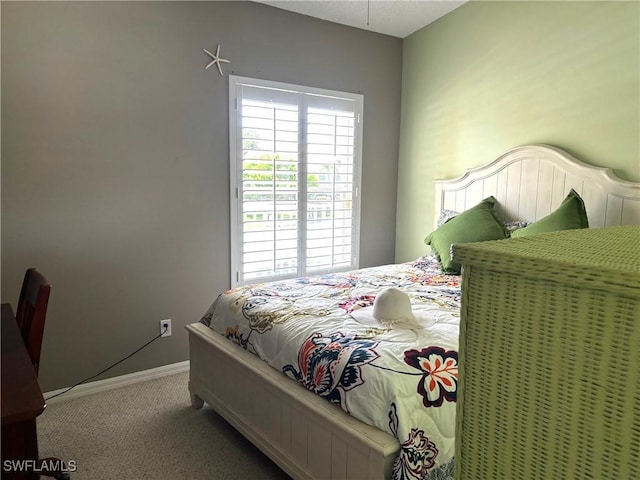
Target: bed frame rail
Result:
[[308, 437]]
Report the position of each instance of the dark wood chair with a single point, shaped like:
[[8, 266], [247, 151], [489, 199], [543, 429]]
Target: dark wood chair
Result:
[[32, 312]]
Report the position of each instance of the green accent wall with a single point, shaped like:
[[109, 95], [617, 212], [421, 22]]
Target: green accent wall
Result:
[[493, 75]]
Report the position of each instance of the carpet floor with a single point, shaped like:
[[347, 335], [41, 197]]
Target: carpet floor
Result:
[[148, 430]]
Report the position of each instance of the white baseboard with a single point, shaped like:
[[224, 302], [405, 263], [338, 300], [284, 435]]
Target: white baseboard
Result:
[[115, 382]]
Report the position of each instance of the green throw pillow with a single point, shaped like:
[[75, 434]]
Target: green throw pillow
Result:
[[569, 215], [478, 224]]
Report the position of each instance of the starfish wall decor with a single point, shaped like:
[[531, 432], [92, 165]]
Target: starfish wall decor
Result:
[[216, 60]]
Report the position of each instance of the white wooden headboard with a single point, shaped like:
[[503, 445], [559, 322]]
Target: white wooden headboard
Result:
[[530, 181]]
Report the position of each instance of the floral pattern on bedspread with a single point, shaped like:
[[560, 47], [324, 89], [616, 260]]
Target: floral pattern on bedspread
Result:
[[329, 366], [403, 381], [417, 452], [440, 377]]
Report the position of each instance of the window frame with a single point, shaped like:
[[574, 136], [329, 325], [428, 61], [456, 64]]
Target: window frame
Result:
[[235, 176]]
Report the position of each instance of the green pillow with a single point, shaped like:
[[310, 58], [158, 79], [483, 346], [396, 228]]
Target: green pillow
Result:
[[478, 224], [569, 215]]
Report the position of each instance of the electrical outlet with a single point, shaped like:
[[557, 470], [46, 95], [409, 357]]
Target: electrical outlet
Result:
[[165, 327]]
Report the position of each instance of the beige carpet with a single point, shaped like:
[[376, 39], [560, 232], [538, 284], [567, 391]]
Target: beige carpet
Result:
[[148, 431]]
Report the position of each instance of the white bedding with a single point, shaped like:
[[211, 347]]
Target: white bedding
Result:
[[400, 380]]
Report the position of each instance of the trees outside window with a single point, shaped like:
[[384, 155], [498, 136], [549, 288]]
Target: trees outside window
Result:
[[295, 176]]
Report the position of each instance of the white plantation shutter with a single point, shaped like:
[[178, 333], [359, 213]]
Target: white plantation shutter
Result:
[[295, 168]]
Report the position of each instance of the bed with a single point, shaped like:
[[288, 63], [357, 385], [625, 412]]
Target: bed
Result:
[[370, 428]]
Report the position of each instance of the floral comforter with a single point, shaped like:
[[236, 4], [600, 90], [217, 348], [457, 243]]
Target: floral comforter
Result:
[[403, 381]]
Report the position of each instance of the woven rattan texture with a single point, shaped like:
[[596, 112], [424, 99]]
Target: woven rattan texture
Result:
[[549, 380], [599, 257]]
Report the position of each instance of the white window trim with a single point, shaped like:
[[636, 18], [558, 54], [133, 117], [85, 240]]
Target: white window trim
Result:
[[236, 172]]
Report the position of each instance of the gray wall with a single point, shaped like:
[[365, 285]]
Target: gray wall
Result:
[[115, 159]]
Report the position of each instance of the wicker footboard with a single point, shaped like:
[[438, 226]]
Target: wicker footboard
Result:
[[308, 437]]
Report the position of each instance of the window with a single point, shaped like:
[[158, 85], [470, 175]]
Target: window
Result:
[[295, 176]]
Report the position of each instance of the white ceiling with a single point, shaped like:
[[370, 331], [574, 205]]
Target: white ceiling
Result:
[[398, 18]]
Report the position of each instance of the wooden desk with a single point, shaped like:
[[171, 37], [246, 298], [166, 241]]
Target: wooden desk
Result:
[[22, 400]]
